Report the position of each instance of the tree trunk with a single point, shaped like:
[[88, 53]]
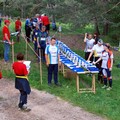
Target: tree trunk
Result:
[[106, 28], [96, 26]]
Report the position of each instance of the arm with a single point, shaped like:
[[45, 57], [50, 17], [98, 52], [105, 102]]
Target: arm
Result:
[[90, 56], [6, 36], [38, 44], [111, 64], [98, 60], [46, 58], [85, 37]]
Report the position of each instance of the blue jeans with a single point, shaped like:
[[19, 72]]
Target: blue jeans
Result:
[[6, 51]]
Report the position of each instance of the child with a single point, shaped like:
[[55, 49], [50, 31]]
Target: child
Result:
[[107, 64], [21, 81]]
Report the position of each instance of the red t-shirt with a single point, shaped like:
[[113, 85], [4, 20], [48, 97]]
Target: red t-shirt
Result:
[[5, 30], [20, 69], [18, 24], [45, 20]]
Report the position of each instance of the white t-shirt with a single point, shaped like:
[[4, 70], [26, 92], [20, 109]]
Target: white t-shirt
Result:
[[89, 45], [98, 50], [52, 52], [106, 58]]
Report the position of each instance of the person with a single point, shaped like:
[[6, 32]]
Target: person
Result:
[[97, 51], [107, 64], [52, 59], [18, 25], [54, 27], [96, 37], [6, 40], [41, 42], [89, 45], [36, 33], [21, 81], [46, 22], [28, 29]]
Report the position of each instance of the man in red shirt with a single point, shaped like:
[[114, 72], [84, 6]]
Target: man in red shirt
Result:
[[6, 39], [18, 26], [46, 22]]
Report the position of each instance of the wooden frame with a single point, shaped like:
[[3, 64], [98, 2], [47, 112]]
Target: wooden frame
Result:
[[82, 90]]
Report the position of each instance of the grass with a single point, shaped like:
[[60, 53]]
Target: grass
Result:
[[103, 103]]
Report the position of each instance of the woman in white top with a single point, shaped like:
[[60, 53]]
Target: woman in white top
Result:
[[97, 51], [89, 45]]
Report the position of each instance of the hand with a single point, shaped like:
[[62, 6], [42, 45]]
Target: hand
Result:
[[94, 63], [85, 34], [38, 46], [47, 64], [110, 69], [10, 43]]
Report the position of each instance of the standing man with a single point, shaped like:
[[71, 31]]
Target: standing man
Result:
[[46, 22], [41, 42], [52, 59], [6, 40], [18, 26], [28, 29]]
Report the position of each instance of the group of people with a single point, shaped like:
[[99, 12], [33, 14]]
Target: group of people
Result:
[[100, 54], [50, 56]]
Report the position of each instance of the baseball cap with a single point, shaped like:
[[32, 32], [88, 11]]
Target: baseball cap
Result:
[[6, 21], [100, 41]]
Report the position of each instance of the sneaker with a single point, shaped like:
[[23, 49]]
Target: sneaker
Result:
[[25, 109], [109, 88], [104, 87], [57, 84]]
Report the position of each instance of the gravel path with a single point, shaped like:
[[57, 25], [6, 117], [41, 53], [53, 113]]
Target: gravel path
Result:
[[44, 106]]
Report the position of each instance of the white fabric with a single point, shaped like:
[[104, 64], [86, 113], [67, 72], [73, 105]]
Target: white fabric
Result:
[[89, 45], [98, 50], [105, 57]]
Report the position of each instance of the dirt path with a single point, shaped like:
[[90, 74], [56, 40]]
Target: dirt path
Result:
[[44, 106]]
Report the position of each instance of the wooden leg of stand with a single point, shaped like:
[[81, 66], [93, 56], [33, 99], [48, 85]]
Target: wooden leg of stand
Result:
[[77, 83], [93, 83]]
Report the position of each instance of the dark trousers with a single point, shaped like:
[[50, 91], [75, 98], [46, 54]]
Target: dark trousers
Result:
[[28, 32], [98, 65], [53, 68], [87, 55], [23, 98]]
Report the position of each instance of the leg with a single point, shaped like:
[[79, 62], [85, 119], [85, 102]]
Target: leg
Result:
[[50, 69], [109, 77], [23, 98], [56, 73], [105, 77], [6, 51]]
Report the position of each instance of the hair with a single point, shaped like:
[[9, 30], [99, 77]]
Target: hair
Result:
[[107, 45], [20, 56], [53, 38], [18, 18]]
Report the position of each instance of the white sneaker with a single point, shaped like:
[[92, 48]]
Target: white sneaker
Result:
[[104, 87], [109, 88]]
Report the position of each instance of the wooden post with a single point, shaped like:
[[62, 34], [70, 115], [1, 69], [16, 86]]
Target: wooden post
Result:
[[77, 83], [26, 49], [12, 51], [93, 83], [40, 66]]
